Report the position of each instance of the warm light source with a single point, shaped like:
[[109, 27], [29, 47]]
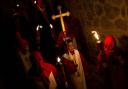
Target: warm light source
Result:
[[62, 69], [96, 36], [51, 26], [58, 59], [39, 27], [35, 2], [17, 5]]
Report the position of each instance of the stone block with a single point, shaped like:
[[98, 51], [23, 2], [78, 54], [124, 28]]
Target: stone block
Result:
[[126, 2], [102, 1], [106, 23], [98, 9], [111, 11], [117, 2], [123, 12], [121, 24]]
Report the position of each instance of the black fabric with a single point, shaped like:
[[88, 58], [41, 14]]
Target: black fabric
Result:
[[35, 69]]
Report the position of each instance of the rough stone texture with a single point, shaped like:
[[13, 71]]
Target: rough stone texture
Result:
[[102, 1], [96, 22], [106, 23], [121, 24], [127, 11], [123, 12], [126, 2], [117, 2], [111, 11], [98, 9], [105, 16]]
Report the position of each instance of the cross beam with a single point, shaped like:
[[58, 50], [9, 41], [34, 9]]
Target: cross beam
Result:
[[61, 15]]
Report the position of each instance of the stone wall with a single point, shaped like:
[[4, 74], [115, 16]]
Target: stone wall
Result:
[[104, 16]]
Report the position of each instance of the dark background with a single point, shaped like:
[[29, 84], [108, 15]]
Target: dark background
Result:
[[86, 15]]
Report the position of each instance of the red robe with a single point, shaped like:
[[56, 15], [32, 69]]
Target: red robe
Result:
[[46, 70], [110, 64]]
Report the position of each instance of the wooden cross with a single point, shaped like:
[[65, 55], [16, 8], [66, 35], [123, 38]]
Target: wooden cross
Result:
[[61, 15]]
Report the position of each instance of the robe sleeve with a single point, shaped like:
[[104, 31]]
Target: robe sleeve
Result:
[[70, 67]]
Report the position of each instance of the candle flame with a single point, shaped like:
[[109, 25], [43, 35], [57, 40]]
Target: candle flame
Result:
[[17, 5], [51, 26], [35, 2], [38, 27], [58, 59], [95, 35], [41, 26]]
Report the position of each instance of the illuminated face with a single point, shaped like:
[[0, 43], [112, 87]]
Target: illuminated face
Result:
[[70, 46]]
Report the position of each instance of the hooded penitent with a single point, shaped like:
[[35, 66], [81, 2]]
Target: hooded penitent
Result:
[[109, 44]]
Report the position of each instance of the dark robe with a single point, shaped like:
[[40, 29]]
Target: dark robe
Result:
[[110, 65], [48, 71]]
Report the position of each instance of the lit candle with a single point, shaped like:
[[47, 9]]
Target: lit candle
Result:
[[51, 26], [40, 26], [37, 28], [35, 2], [59, 61], [99, 42], [96, 36], [38, 35], [17, 5], [63, 72]]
